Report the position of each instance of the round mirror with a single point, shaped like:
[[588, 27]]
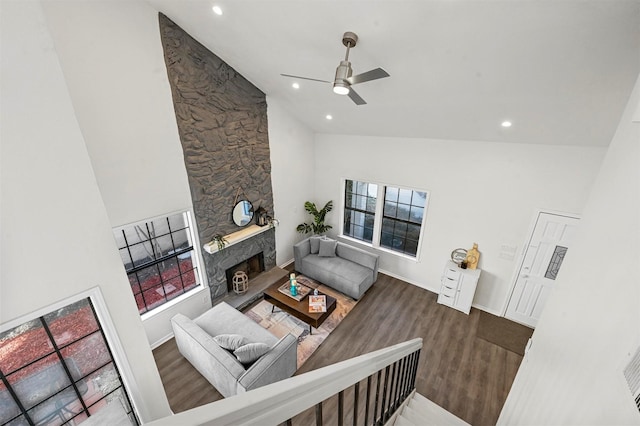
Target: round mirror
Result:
[[458, 255], [242, 213]]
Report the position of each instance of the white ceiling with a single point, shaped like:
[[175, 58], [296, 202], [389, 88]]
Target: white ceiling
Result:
[[561, 71]]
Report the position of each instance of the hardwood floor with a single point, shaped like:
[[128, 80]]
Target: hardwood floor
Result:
[[466, 375]]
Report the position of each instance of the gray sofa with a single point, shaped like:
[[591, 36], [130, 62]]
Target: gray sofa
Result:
[[196, 340], [348, 269]]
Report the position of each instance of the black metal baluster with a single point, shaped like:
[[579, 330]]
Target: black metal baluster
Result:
[[319, 414], [340, 408], [383, 413], [356, 394], [403, 389], [415, 369], [375, 407], [396, 394], [400, 394], [368, 401], [289, 422], [391, 403]]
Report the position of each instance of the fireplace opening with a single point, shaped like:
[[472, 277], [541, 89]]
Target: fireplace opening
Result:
[[252, 266]]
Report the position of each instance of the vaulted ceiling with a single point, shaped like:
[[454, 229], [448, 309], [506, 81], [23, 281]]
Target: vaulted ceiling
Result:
[[560, 71]]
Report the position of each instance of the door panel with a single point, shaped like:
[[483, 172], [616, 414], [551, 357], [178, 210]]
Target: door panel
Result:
[[548, 243]]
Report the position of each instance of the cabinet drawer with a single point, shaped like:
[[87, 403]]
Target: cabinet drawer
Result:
[[451, 274], [446, 300], [448, 291], [449, 282]]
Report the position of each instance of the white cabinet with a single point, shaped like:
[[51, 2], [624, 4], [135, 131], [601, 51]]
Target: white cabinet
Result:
[[458, 286]]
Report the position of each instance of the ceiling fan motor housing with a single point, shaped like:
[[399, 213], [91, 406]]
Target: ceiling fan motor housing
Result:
[[340, 84]]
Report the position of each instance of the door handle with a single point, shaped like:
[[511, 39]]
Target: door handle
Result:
[[525, 275]]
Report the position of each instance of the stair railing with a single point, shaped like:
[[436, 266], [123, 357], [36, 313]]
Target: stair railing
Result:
[[383, 379]]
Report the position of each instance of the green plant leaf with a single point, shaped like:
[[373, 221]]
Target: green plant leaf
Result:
[[317, 226]]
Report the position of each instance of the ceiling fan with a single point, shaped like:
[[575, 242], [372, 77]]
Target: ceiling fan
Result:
[[344, 80]]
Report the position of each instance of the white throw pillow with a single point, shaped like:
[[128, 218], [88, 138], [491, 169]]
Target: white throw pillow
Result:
[[251, 352], [230, 342]]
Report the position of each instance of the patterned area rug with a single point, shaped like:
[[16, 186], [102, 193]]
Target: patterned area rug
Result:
[[280, 323]]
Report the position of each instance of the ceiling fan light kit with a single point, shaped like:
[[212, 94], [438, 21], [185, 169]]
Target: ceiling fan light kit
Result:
[[343, 79]]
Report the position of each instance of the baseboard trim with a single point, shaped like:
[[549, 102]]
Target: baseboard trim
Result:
[[436, 290], [415, 283], [161, 341], [488, 310], [287, 263]]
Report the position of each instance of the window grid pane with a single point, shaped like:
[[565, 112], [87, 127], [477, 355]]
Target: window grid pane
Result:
[[162, 263], [61, 385], [359, 213], [402, 220]]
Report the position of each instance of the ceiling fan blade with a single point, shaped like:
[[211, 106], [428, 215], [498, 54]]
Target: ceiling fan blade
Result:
[[355, 97], [368, 76], [305, 78]]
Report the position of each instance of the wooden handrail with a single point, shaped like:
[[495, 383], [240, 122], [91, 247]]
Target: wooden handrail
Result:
[[277, 402]]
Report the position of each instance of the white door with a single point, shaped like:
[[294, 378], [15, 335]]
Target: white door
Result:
[[548, 243]]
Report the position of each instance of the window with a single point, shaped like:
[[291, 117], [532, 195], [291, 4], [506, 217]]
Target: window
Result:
[[384, 216], [58, 369], [359, 209], [159, 258]]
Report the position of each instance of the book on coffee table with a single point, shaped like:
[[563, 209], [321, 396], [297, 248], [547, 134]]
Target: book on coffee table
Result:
[[301, 294], [318, 303]]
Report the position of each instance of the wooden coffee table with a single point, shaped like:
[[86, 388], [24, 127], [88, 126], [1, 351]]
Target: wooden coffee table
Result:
[[299, 309]]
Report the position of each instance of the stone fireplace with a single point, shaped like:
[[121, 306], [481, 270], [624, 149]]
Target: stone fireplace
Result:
[[262, 245]]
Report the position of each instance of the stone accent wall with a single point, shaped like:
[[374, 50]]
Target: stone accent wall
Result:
[[222, 123]]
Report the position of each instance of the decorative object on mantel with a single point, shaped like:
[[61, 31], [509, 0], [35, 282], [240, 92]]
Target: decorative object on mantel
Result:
[[317, 226], [261, 216], [235, 237], [242, 210], [220, 241], [458, 256], [473, 256]]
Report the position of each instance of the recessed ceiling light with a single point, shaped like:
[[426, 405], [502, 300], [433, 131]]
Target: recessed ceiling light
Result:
[[295, 85], [329, 117], [506, 124], [217, 10]]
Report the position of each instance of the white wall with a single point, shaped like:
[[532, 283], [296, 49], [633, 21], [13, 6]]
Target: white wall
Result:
[[56, 237], [480, 192], [292, 170], [573, 372], [113, 62]]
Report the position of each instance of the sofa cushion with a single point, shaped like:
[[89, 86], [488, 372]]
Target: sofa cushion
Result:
[[230, 342], [314, 242], [250, 352], [327, 248], [224, 319], [343, 275]]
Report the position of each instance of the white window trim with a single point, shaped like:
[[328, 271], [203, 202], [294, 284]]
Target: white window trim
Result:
[[203, 286], [110, 333], [377, 225]]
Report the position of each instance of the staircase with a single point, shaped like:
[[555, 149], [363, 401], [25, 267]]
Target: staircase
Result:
[[419, 411], [374, 389]]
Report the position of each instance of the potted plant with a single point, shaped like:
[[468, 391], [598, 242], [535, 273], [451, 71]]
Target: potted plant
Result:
[[317, 226], [221, 241]]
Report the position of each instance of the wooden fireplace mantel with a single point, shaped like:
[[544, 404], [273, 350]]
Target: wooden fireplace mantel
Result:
[[235, 237]]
